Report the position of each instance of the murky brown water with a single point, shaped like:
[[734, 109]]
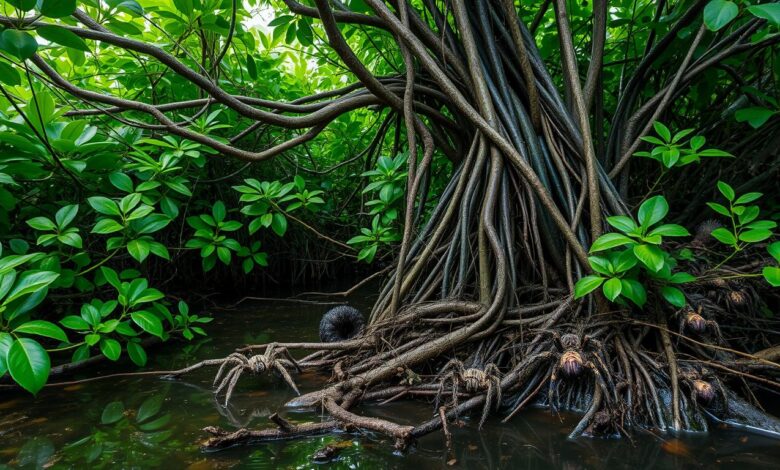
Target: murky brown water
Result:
[[152, 423]]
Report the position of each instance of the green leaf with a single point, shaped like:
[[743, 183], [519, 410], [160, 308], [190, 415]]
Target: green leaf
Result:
[[66, 214], [724, 236], [720, 209], [279, 224], [9, 75], [28, 364], [756, 116], [110, 348], [42, 328], [149, 408], [651, 256], [610, 240], [673, 295], [652, 211], [726, 190], [62, 36], [719, 13], [58, 8], [24, 5], [18, 43], [6, 341], [148, 322], [72, 322], [634, 291], [625, 261], [106, 226], [748, 197], [670, 230], [121, 181], [601, 265], [138, 249], [129, 6], [767, 11], [662, 130], [681, 278], [623, 223], [753, 236], [612, 288], [137, 354], [774, 250], [30, 281], [586, 285], [104, 205], [218, 211], [113, 412], [771, 274], [42, 224]]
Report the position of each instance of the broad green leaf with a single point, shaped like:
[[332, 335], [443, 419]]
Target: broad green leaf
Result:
[[753, 236], [720, 209], [663, 131], [634, 291], [612, 288], [62, 36], [726, 190], [771, 274], [610, 240], [30, 281], [66, 214], [121, 181], [774, 250], [42, 224], [58, 8], [24, 5], [279, 224], [724, 236], [104, 205], [719, 13], [18, 43], [651, 256], [673, 295], [670, 230], [756, 116], [138, 249], [6, 340], [623, 223], [767, 11], [148, 322], [42, 328], [586, 285], [72, 322], [137, 354], [110, 348], [113, 412], [601, 265], [149, 408], [652, 210], [9, 76], [28, 364], [747, 197]]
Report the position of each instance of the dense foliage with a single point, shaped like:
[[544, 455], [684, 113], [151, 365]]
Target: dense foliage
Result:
[[122, 184]]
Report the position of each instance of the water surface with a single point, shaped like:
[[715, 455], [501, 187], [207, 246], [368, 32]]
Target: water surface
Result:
[[146, 422]]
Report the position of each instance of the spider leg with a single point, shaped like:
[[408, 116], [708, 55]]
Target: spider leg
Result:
[[286, 376], [232, 385], [488, 404], [226, 379], [196, 366], [553, 387], [286, 355], [225, 362]]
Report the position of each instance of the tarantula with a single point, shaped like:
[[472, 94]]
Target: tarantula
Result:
[[254, 365], [573, 355], [692, 321], [474, 381], [703, 385]]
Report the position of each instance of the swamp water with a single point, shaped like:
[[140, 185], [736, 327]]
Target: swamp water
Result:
[[146, 422]]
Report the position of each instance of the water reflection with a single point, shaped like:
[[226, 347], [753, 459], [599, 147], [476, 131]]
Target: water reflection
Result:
[[148, 422]]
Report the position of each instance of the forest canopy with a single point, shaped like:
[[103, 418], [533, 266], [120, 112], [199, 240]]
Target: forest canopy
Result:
[[567, 202]]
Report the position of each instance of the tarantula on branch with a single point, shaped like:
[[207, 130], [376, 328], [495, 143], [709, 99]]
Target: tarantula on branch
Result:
[[572, 355], [239, 363], [694, 322], [474, 381]]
